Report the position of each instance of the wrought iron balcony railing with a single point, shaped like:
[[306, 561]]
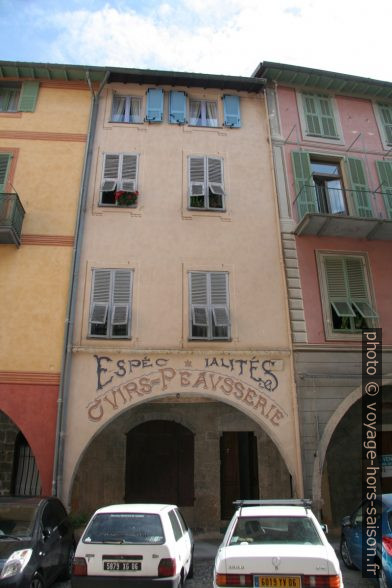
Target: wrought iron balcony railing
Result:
[[11, 219]]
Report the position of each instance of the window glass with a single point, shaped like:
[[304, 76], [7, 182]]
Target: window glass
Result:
[[126, 109], [275, 530], [175, 525], [9, 98], [17, 519], [135, 528], [329, 187], [183, 524], [203, 113]]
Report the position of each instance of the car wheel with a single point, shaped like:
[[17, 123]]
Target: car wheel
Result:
[[37, 581], [67, 572], [345, 553], [382, 579]]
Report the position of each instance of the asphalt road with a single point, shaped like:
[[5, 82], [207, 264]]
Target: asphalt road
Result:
[[205, 551]]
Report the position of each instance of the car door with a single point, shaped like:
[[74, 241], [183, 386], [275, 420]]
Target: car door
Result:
[[183, 543], [51, 540], [354, 537]]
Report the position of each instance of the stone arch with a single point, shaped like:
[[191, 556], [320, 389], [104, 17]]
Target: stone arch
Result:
[[326, 437]]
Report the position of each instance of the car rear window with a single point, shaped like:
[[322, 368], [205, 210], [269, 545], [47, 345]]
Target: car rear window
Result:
[[17, 519], [139, 528], [284, 529]]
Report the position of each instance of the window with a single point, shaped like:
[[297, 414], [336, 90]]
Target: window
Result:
[[385, 111], [319, 186], [209, 308], [203, 113], [119, 178], [17, 97], [110, 307], [319, 119], [126, 109], [5, 162], [206, 189], [384, 169], [347, 302]]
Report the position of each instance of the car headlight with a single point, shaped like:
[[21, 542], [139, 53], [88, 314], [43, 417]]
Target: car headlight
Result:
[[16, 563]]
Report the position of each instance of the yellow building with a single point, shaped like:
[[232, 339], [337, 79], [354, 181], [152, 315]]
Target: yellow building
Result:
[[44, 125], [180, 368]]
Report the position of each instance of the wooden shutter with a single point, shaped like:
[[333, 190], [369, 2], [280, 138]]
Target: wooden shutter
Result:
[[306, 198], [358, 287], [384, 169], [177, 107], [199, 298], [327, 117], [28, 96], [129, 172], [121, 297], [313, 126], [215, 175], [359, 189], [5, 160], [231, 111], [219, 298], [386, 116], [111, 172], [154, 105], [197, 176], [100, 297], [337, 286]]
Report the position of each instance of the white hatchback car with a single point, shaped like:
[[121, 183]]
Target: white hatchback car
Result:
[[145, 545], [276, 544]]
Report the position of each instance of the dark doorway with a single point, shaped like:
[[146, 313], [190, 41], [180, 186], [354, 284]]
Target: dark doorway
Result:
[[239, 469], [160, 464], [25, 479]]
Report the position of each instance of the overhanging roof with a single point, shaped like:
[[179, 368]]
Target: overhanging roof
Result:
[[324, 80], [62, 72]]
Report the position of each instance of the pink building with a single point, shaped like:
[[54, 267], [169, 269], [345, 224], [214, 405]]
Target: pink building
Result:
[[331, 137]]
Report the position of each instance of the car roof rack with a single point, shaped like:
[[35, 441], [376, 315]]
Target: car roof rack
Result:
[[304, 502]]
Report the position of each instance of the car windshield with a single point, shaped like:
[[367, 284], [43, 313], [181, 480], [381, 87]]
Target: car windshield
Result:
[[275, 529], [17, 520], [140, 528]]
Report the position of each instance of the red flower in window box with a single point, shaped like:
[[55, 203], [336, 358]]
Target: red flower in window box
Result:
[[124, 198]]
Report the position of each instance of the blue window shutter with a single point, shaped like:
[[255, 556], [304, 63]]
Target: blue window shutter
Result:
[[154, 105], [231, 109], [177, 107]]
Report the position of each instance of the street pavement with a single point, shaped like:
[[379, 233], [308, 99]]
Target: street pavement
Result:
[[204, 555]]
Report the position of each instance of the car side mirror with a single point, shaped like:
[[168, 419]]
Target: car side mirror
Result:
[[346, 521], [324, 527]]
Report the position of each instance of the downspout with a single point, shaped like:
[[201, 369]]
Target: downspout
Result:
[[72, 293]]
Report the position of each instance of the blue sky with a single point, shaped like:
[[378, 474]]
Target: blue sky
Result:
[[210, 36]]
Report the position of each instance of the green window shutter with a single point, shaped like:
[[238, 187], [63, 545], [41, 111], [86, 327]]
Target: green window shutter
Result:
[[386, 116], [313, 126], [28, 96], [5, 161], [327, 118], [384, 169], [359, 188], [305, 190], [319, 116]]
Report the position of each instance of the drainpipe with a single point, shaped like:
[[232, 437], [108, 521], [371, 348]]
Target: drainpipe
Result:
[[72, 291]]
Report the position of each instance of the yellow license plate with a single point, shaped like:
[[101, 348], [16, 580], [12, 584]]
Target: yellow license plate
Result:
[[277, 581]]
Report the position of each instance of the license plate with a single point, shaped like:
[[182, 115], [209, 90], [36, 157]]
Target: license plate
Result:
[[277, 581], [122, 566]]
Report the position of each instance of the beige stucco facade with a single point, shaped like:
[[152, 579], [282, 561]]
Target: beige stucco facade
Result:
[[161, 240]]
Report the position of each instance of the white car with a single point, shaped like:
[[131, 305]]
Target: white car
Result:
[[146, 545], [276, 544]]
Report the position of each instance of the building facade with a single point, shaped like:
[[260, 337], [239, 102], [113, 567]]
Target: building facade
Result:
[[180, 368], [44, 120], [332, 149]]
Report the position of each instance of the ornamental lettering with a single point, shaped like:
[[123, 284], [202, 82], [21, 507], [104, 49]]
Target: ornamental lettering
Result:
[[165, 378]]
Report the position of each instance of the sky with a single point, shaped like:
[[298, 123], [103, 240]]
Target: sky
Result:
[[227, 37]]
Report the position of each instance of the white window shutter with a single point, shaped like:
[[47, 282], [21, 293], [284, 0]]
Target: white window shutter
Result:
[[199, 298], [219, 299], [200, 316], [121, 297], [196, 176], [221, 316], [111, 172], [100, 296], [99, 313], [215, 175], [129, 172]]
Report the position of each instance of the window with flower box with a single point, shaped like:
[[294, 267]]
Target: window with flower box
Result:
[[209, 305], [110, 306], [119, 180], [206, 189]]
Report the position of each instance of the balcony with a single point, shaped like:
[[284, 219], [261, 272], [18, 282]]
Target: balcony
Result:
[[11, 219], [343, 213]]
